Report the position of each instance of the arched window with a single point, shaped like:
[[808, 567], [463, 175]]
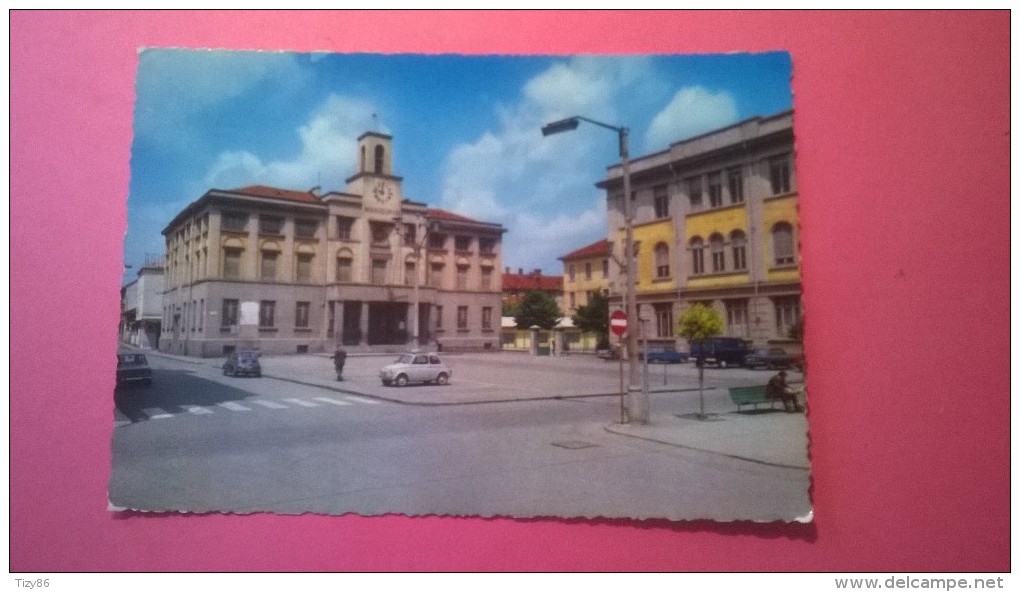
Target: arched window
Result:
[[782, 244], [379, 152], [718, 253], [698, 255], [739, 244], [661, 261]]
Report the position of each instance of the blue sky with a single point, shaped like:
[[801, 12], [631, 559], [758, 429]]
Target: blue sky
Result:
[[466, 130]]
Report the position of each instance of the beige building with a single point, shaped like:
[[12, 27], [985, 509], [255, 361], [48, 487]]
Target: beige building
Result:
[[287, 271], [142, 306], [715, 222]]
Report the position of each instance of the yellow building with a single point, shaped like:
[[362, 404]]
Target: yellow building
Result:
[[715, 222], [585, 272]]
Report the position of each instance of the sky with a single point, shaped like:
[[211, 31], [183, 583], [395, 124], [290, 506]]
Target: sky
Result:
[[466, 130]]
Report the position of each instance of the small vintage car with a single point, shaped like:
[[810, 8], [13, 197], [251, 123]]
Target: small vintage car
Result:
[[417, 368], [132, 367], [769, 358], [242, 363]]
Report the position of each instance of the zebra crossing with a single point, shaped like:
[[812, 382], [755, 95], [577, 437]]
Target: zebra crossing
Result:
[[247, 405]]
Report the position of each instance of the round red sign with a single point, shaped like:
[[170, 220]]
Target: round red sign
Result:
[[618, 322]]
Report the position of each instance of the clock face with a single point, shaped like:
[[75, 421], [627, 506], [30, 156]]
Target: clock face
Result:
[[383, 191]]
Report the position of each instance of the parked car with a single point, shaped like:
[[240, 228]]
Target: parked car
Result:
[[769, 358], [663, 355], [133, 368], [610, 353], [242, 363], [416, 367], [721, 351]]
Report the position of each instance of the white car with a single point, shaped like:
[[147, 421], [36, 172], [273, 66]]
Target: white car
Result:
[[416, 367]]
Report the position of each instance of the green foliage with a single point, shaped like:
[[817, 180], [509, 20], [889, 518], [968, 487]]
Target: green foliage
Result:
[[699, 322], [594, 316], [537, 308], [510, 309]]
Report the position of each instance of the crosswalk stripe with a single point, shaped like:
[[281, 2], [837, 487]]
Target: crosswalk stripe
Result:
[[332, 401], [233, 406], [301, 402], [156, 413], [269, 404], [196, 410], [362, 400]]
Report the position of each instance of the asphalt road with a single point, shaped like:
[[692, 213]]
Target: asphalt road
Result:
[[198, 441]]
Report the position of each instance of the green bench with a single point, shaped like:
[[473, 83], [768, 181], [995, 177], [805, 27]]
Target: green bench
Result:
[[751, 395]]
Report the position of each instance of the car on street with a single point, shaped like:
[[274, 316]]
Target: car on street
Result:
[[664, 355], [720, 351], [242, 363], [416, 368], [769, 358], [609, 353], [133, 367]]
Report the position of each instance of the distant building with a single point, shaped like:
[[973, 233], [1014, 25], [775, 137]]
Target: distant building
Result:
[[286, 271], [715, 222], [516, 285], [585, 272], [142, 306]]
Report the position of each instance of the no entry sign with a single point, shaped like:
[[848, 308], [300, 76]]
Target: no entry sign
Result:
[[618, 323]]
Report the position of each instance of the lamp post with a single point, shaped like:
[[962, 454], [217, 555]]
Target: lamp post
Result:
[[418, 244], [637, 401]]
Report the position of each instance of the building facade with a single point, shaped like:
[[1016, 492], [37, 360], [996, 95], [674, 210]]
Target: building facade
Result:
[[585, 272], [516, 285], [715, 222], [142, 306], [285, 271]]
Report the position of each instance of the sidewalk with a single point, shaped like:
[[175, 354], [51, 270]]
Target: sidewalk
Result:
[[765, 437]]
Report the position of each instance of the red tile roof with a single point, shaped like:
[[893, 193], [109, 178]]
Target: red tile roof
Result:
[[445, 215], [523, 282], [277, 193], [598, 249]]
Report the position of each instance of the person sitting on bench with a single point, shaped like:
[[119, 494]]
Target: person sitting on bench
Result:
[[778, 389]]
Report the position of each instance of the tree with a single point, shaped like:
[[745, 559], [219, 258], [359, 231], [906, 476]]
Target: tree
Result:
[[698, 323], [594, 317], [537, 308]]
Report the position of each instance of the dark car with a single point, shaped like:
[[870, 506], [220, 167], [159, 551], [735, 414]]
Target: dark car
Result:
[[721, 351], [242, 363], [609, 353], [769, 358], [133, 368], [664, 355]]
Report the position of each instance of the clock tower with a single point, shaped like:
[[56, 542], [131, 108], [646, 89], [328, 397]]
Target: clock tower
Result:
[[374, 181]]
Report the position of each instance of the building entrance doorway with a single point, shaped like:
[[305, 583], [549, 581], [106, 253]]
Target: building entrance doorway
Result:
[[387, 323]]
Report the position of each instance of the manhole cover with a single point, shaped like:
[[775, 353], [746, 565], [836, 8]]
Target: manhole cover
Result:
[[574, 444]]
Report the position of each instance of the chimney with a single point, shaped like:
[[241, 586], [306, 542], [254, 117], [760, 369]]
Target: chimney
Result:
[[507, 270], [520, 271], [537, 272]]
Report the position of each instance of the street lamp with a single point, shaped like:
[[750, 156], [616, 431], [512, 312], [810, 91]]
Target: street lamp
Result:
[[637, 401], [418, 244]]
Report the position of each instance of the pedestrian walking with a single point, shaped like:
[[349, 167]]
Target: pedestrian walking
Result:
[[778, 389], [339, 358]]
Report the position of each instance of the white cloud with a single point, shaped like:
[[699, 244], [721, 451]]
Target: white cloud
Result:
[[693, 110], [327, 156]]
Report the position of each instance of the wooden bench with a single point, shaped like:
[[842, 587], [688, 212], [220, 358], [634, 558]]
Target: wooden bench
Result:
[[751, 395]]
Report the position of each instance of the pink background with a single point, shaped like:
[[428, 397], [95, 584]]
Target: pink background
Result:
[[903, 135]]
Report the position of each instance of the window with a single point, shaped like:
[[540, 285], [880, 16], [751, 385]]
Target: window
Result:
[[487, 246], [232, 263], [380, 154], [436, 275], [462, 277], [486, 278], [661, 201], [718, 253], [439, 317], [605, 268], [715, 189], [303, 270], [587, 271], [380, 234], [462, 318], [661, 261], [736, 318], [735, 181], [698, 255], [787, 313], [410, 234], [694, 192], [267, 314], [487, 318], [305, 228], [270, 225], [572, 272], [344, 227], [201, 315], [782, 244], [573, 300], [301, 315], [267, 270], [437, 241], [378, 271], [410, 274], [343, 269], [462, 243], [739, 244], [234, 221], [664, 320], [779, 174]]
